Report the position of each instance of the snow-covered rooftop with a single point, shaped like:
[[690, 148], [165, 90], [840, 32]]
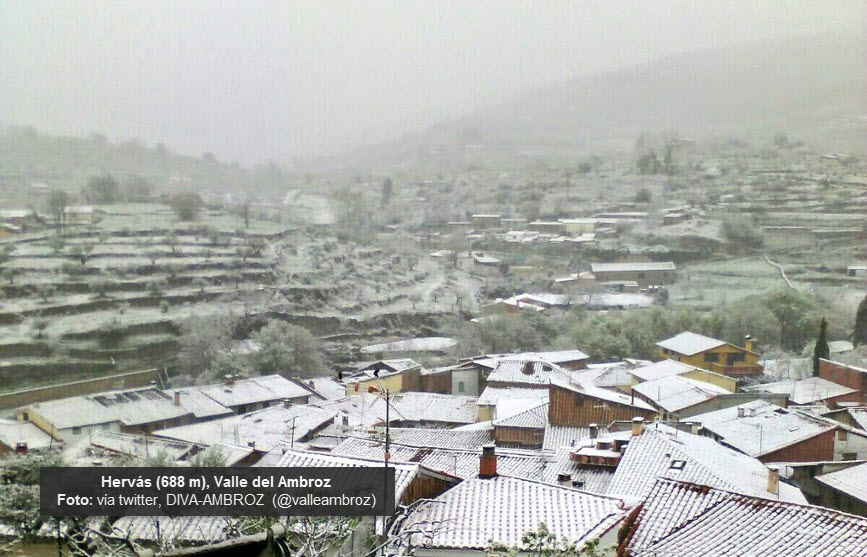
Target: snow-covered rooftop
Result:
[[804, 391], [763, 428], [674, 393], [851, 481], [681, 519], [689, 343], [502, 509], [662, 451]]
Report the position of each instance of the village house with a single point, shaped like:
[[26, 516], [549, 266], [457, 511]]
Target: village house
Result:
[[666, 368], [845, 490], [846, 375], [432, 410], [656, 450], [579, 226], [809, 391], [684, 519], [771, 433], [491, 509], [253, 393], [676, 396], [711, 354], [397, 375], [261, 430], [579, 404], [478, 262], [649, 273], [23, 437], [130, 411]]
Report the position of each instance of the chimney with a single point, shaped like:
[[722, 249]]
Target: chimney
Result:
[[21, 447], [287, 403], [177, 398], [774, 480], [528, 368], [748, 343], [594, 431], [637, 426], [251, 444], [694, 427], [311, 384], [230, 379], [564, 479], [488, 462], [741, 411]]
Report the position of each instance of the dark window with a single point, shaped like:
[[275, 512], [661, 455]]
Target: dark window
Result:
[[579, 400], [734, 357], [850, 456], [76, 430], [25, 416], [460, 386], [711, 357]]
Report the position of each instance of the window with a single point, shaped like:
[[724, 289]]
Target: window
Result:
[[460, 386], [25, 416], [106, 426], [850, 456], [579, 400], [731, 359], [711, 357], [842, 434], [76, 430]]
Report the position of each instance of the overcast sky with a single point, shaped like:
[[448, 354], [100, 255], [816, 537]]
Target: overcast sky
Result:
[[254, 80]]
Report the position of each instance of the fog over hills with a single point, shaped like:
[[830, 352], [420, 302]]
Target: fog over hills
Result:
[[811, 88]]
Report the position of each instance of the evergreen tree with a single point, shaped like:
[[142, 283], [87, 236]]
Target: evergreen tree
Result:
[[859, 333], [821, 350]]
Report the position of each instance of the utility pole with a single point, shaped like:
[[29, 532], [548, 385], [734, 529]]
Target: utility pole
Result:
[[386, 458]]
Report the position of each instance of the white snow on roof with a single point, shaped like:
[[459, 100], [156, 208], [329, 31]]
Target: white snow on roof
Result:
[[254, 390], [129, 407], [674, 393], [493, 395], [684, 520], [557, 436], [632, 266], [503, 509], [662, 451], [535, 417], [265, 428], [424, 344], [432, 407], [763, 429], [588, 389], [851, 481], [805, 391], [13, 432], [659, 369], [689, 343], [525, 372], [180, 529], [462, 463]]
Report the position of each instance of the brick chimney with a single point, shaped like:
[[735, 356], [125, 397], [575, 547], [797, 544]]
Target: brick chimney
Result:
[[229, 379], [594, 431], [177, 398], [488, 462], [774, 480], [748, 343], [637, 426]]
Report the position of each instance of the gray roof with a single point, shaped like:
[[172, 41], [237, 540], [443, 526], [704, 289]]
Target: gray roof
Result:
[[525, 372], [663, 368]]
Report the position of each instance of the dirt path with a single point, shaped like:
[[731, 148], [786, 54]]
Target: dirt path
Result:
[[782, 271]]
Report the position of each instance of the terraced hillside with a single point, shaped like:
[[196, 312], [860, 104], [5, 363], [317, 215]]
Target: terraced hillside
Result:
[[108, 296]]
